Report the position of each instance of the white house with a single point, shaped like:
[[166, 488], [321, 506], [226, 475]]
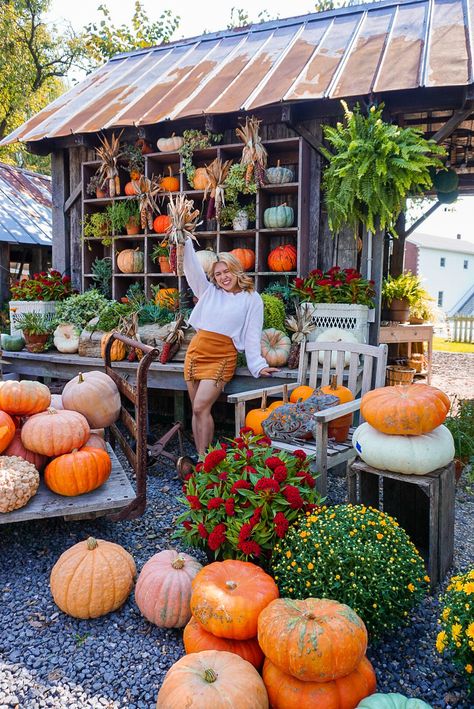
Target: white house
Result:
[[446, 267]]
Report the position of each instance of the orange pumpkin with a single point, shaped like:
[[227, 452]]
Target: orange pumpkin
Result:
[[255, 417], [17, 448], [246, 257], [287, 692], [55, 432], [78, 472], [200, 179], [118, 351], [280, 402], [7, 431], [228, 597], [169, 183], [301, 393], [131, 190], [282, 258], [410, 410], [24, 398], [339, 428], [167, 298], [315, 640], [221, 680], [161, 223], [196, 639]]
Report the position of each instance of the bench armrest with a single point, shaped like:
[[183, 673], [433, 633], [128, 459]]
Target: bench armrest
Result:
[[257, 393], [334, 412]]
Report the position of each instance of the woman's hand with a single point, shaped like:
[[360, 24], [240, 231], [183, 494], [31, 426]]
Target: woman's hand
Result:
[[267, 371]]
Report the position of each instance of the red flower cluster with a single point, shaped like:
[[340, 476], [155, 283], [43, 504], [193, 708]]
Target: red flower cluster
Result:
[[281, 524], [293, 496], [217, 537], [267, 484], [213, 459], [337, 285], [43, 286]]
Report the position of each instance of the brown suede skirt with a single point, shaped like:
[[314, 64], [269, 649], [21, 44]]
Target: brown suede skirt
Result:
[[210, 356]]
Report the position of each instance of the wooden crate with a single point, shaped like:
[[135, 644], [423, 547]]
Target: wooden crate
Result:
[[422, 504]]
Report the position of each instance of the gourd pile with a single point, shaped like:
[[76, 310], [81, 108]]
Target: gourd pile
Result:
[[62, 436]]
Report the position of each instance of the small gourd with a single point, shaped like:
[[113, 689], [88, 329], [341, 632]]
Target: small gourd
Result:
[[201, 179], [170, 145], [12, 343], [278, 217], [118, 351], [278, 175], [131, 260], [169, 183], [66, 338], [19, 481]]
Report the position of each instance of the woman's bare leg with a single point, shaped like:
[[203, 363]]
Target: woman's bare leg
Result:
[[203, 424], [192, 391]]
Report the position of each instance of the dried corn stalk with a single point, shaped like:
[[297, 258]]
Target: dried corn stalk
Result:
[[184, 220], [254, 155], [301, 326], [216, 172], [173, 340], [147, 190], [128, 326], [109, 154]]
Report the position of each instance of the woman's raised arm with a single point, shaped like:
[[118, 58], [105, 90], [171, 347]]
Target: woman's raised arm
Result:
[[193, 270]]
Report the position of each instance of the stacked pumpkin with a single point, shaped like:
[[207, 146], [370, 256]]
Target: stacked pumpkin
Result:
[[403, 431], [314, 654]]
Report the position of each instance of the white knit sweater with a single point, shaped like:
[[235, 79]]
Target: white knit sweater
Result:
[[237, 315]]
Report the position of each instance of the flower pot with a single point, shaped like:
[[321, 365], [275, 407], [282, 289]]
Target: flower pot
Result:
[[17, 307], [100, 194], [416, 321], [241, 221], [399, 310], [165, 266], [35, 343], [132, 228]]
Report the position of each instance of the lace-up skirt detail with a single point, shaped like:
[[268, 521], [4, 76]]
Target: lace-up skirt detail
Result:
[[210, 356]]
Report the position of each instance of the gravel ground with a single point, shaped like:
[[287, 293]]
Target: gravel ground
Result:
[[48, 660]]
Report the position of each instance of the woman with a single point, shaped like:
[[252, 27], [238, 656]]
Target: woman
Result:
[[228, 318]]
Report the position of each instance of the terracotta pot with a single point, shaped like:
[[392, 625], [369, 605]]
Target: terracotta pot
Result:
[[132, 228], [35, 343], [400, 310], [100, 194], [165, 266]]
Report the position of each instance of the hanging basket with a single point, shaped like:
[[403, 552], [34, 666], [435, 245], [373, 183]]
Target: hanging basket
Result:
[[396, 374]]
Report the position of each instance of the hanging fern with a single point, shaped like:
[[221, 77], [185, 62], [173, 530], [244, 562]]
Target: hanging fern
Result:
[[373, 168]]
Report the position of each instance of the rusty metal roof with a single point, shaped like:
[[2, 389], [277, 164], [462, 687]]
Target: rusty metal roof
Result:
[[25, 207], [381, 47]]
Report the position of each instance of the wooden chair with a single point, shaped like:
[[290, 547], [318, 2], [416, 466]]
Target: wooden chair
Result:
[[366, 371]]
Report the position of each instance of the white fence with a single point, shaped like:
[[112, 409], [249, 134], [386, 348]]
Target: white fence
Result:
[[461, 328]]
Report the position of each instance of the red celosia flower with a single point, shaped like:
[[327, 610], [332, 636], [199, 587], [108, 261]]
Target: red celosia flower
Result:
[[209, 486], [240, 485], [249, 469], [188, 476], [299, 454], [194, 502], [255, 518], [281, 524], [199, 467], [202, 531], [306, 477], [245, 505], [187, 525], [214, 503], [245, 531], [249, 455], [263, 441], [223, 476], [292, 495], [237, 456], [267, 484], [229, 506], [273, 462], [213, 459], [280, 473], [250, 548], [217, 537], [246, 429]]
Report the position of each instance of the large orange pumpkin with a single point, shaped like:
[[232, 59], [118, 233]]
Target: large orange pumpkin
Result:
[[170, 183], [24, 398], [410, 410], [282, 258], [92, 578], [7, 431], [17, 448], [53, 432], [246, 257], [287, 692], [167, 298], [339, 428], [196, 639], [255, 417], [228, 597], [161, 223], [221, 680], [78, 472], [301, 393], [163, 589], [315, 640], [95, 395]]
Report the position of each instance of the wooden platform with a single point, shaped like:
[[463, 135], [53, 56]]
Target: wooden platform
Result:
[[114, 495]]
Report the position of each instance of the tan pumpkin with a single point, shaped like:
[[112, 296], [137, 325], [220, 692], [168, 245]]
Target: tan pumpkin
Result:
[[23, 398], [212, 679], [246, 258], [170, 145], [95, 441], [118, 351], [131, 260], [19, 481], [17, 448], [78, 472], [255, 417], [53, 432], [275, 346], [164, 587], [95, 395], [56, 401], [92, 578], [196, 639], [201, 179], [169, 183], [66, 338]]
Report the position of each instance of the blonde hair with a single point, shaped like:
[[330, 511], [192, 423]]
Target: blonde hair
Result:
[[233, 264]]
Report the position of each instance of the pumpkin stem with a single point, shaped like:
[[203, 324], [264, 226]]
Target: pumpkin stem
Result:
[[210, 675], [285, 393], [178, 563], [80, 378], [231, 585], [170, 170], [52, 410], [310, 616], [278, 163], [263, 405], [333, 384], [91, 543]]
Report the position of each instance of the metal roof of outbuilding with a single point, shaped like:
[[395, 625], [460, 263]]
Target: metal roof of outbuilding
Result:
[[381, 47], [25, 207]]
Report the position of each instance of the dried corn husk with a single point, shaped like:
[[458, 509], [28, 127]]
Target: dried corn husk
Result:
[[109, 154], [301, 325], [147, 190], [254, 155], [216, 172], [184, 220]]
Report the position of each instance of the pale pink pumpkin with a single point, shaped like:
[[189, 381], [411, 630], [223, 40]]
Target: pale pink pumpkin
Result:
[[57, 401], [96, 441], [163, 590], [55, 432], [16, 447]]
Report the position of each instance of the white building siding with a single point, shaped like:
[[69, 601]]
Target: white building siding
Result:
[[452, 279]]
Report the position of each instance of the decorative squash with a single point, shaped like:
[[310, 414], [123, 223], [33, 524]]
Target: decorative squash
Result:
[[54, 432], [118, 351], [275, 347], [19, 481], [94, 395], [196, 639], [336, 334], [246, 257], [278, 217], [278, 175], [66, 338], [207, 258], [163, 589], [339, 428], [221, 680], [169, 183], [412, 455], [78, 472], [23, 398], [167, 298], [92, 578], [12, 343], [131, 260], [287, 692], [17, 448], [161, 223], [170, 145], [201, 179], [405, 410], [130, 189], [255, 417], [314, 640], [301, 393], [57, 402], [7, 431], [392, 701], [282, 258], [228, 597]]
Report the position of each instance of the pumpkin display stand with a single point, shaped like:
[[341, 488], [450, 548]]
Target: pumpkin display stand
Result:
[[422, 504]]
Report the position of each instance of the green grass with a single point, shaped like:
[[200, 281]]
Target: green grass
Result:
[[440, 345]]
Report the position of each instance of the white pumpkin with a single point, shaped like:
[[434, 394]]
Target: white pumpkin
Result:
[[66, 338], [170, 145], [57, 402], [411, 455], [206, 258], [335, 334], [275, 347]]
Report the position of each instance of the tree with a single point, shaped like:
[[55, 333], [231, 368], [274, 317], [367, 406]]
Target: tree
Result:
[[241, 18]]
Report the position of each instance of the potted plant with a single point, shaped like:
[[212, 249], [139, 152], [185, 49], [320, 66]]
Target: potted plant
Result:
[[195, 140], [97, 226], [36, 329], [41, 294], [237, 215], [124, 216], [422, 309], [461, 424], [134, 162], [161, 254], [399, 293], [96, 187], [238, 211]]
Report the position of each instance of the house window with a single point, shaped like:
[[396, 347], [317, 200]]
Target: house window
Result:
[[466, 264], [440, 298], [442, 262]]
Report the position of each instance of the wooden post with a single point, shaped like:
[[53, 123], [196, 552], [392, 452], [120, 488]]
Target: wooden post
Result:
[[60, 193], [372, 268], [398, 253], [4, 271], [77, 157]]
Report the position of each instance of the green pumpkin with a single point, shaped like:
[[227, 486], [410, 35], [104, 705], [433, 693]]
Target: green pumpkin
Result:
[[278, 175], [278, 217], [392, 701], [12, 343]]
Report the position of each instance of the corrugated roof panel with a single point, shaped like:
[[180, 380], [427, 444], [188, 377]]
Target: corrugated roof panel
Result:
[[447, 57], [25, 207]]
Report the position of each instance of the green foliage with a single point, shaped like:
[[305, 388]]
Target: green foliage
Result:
[[283, 290], [422, 307], [161, 249], [121, 212], [461, 424], [111, 315], [235, 188], [195, 140], [273, 312], [374, 166], [101, 270], [97, 226], [133, 158], [406, 286], [80, 309], [151, 313], [34, 323], [240, 18], [356, 555]]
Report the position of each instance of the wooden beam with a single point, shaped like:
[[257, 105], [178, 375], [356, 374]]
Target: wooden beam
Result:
[[60, 219], [421, 219], [4, 271], [454, 122], [77, 192], [288, 117]]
